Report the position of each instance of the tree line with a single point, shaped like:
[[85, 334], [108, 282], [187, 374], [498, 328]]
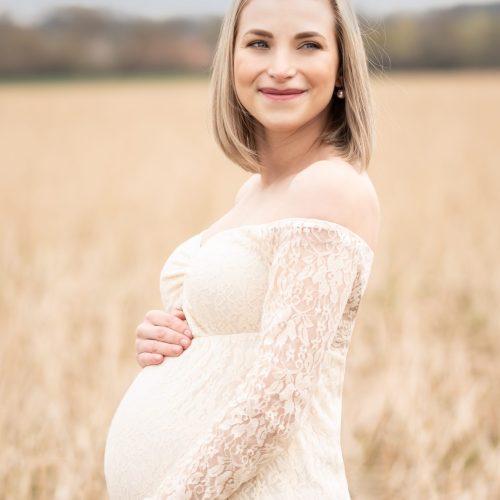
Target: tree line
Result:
[[77, 40]]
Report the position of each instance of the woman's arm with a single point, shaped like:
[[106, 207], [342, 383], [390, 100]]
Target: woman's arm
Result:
[[312, 274]]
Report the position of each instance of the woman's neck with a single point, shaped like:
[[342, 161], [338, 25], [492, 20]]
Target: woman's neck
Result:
[[285, 153]]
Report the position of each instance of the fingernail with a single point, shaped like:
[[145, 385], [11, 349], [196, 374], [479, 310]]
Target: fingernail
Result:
[[188, 333], [185, 342]]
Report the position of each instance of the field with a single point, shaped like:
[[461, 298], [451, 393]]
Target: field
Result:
[[101, 180]]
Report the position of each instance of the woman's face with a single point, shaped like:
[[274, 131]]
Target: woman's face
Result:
[[281, 61]]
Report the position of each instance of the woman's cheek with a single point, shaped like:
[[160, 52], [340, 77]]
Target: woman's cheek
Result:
[[245, 71], [245, 83]]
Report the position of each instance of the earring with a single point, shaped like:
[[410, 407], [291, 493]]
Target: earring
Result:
[[340, 93]]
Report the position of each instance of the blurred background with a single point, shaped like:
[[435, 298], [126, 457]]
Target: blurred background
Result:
[[107, 164], [56, 38]]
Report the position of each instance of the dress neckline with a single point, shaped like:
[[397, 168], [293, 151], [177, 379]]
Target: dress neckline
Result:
[[305, 220]]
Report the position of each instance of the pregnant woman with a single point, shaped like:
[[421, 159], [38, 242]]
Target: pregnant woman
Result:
[[270, 292]]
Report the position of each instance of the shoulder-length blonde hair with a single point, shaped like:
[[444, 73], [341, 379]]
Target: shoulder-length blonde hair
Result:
[[350, 126]]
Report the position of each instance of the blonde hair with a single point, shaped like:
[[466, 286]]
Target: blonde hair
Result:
[[350, 127]]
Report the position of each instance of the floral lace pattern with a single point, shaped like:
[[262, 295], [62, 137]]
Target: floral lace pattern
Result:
[[317, 276]]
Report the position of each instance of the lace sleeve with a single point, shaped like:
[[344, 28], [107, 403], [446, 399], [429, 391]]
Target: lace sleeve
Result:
[[312, 274]]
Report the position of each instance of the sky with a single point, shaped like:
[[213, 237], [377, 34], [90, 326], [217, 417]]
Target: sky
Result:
[[27, 11]]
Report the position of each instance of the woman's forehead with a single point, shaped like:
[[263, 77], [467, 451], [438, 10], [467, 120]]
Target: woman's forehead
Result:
[[287, 17]]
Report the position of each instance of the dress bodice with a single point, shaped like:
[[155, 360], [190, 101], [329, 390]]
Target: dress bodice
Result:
[[221, 284]]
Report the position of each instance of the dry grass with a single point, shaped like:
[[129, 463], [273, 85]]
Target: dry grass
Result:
[[100, 181]]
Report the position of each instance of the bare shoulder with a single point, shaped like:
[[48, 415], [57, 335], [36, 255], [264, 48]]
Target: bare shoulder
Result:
[[246, 188], [334, 190]]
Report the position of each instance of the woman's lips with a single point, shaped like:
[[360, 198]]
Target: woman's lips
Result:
[[282, 97]]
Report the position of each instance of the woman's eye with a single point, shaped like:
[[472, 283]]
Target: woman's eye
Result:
[[253, 43], [314, 45]]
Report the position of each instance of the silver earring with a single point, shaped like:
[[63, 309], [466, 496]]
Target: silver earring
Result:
[[340, 93]]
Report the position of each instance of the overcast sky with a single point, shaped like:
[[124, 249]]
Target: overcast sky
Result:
[[26, 11]]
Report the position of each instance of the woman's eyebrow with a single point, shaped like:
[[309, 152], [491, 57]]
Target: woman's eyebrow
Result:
[[298, 36]]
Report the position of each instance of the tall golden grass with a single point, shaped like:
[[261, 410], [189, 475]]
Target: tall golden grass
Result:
[[99, 183]]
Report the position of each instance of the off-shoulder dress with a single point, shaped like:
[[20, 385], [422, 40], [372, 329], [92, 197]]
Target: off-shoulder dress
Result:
[[252, 409]]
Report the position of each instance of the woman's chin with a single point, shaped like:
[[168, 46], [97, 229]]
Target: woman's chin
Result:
[[281, 127]]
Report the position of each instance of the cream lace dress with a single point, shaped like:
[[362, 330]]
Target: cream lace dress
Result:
[[252, 409]]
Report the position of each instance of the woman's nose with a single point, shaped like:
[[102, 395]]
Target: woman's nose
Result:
[[281, 65]]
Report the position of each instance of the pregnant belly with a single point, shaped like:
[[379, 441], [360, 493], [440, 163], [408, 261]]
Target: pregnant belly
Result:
[[168, 408]]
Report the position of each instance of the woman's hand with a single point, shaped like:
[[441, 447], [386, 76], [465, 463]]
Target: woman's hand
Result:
[[161, 334]]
